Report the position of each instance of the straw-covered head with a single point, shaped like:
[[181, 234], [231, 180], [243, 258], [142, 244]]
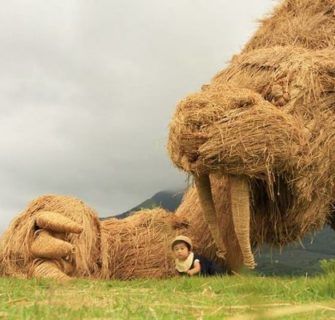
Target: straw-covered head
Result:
[[216, 130]]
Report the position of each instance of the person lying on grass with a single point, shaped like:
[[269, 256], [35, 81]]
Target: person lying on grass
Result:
[[189, 263]]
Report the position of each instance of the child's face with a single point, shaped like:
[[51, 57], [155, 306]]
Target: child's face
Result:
[[181, 251]]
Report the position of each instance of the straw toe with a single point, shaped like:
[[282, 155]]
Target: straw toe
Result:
[[51, 269], [57, 222], [47, 246]]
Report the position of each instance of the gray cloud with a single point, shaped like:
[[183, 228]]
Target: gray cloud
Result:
[[88, 88]]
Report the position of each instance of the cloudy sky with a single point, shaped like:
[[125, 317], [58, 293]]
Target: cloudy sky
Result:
[[88, 88]]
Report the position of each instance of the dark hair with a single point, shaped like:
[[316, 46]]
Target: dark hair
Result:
[[181, 241]]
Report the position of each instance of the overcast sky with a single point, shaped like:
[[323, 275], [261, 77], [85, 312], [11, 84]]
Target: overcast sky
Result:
[[88, 89]]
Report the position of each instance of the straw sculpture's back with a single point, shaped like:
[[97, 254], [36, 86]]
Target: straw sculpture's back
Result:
[[258, 140]]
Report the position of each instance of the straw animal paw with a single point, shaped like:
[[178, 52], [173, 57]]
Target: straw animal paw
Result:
[[54, 255], [56, 236]]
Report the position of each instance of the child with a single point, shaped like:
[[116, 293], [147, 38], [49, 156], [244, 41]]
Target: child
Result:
[[187, 262]]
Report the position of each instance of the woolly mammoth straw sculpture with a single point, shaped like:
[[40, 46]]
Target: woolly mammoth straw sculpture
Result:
[[259, 140]]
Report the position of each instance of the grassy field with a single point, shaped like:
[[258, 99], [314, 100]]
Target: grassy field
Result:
[[237, 297]]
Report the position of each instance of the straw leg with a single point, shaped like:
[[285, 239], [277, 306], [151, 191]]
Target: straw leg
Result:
[[203, 186]]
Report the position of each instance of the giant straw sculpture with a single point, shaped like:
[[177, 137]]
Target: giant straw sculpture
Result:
[[259, 141]]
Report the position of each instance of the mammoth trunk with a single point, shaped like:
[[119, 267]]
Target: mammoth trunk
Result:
[[240, 211]]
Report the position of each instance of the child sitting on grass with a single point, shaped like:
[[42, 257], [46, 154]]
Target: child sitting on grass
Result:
[[188, 263]]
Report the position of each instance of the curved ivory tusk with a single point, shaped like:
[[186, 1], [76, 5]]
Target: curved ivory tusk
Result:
[[46, 246], [240, 206], [56, 222], [203, 185]]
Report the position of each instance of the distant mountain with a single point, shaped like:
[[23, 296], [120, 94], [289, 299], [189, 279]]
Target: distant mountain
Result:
[[169, 200], [293, 260]]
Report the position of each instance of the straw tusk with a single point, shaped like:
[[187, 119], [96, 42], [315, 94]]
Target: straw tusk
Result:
[[56, 222], [46, 246], [203, 186], [240, 206]]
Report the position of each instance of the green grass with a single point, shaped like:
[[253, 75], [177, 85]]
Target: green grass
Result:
[[237, 297]]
